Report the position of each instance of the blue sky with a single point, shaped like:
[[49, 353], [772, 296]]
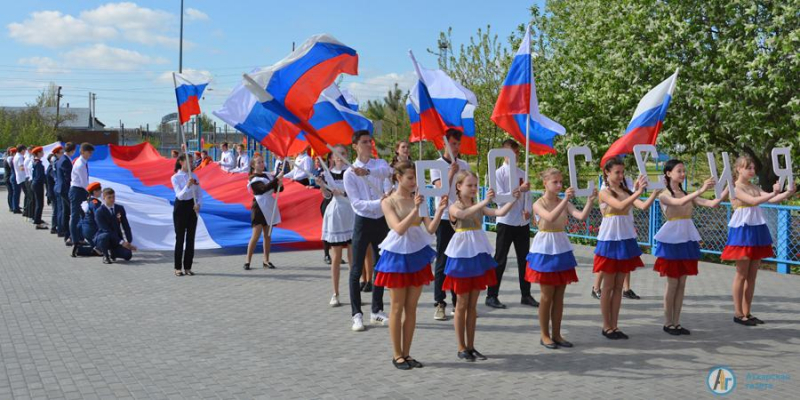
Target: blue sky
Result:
[[124, 51]]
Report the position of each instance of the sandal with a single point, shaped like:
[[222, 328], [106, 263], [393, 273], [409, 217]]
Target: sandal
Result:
[[178, 273], [413, 363], [404, 365]]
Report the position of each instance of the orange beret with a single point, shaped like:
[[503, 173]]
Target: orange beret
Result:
[[9, 149], [12, 150], [197, 154], [56, 149], [37, 149], [93, 186]]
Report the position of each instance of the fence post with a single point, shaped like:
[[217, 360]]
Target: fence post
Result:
[[784, 223]]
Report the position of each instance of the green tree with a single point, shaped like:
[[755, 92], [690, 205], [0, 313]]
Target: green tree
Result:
[[737, 87]]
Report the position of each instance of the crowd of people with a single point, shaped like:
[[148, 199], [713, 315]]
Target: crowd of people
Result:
[[371, 211]]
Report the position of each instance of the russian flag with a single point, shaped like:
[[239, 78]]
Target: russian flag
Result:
[[292, 86], [188, 95], [242, 111], [413, 118], [438, 103], [517, 107], [647, 119], [141, 179], [334, 118]]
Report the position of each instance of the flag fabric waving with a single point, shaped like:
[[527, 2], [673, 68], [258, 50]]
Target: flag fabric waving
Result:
[[647, 119], [188, 95], [242, 111], [334, 118], [292, 86], [517, 107]]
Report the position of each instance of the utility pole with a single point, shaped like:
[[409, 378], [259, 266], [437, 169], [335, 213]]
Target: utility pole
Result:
[[122, 131], [58, 108], [180, 47]]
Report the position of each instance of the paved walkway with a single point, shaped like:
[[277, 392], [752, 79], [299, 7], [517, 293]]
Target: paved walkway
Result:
[[75, 328]]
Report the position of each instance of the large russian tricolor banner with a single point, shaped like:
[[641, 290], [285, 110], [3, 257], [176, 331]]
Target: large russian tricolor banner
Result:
[[141, 179], [517, 107], [647, 119], [188, 95]]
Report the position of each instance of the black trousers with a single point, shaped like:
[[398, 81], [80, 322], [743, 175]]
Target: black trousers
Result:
[[444, 233], [520, 237], [366, 232], [63, 214], [38, 195], [30, 203], [185, 220], [10, 190]]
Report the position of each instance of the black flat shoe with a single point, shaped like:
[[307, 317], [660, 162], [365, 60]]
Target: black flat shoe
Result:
[[74, 252], [466, 355], [564, 343], [629, 294], [551, 346], [478, 355], [682, 331], [268, 265], [672, 330], [610, 334], [529, 301], [412, 362], [246, 266], [620, 335], [494, 302], [327, 260], [745, 322], [404, 365], [752, 318]]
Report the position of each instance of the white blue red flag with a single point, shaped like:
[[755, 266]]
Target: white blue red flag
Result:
[[647, 119], [517, 107], [188, 95], [437, 103], [291, 87]]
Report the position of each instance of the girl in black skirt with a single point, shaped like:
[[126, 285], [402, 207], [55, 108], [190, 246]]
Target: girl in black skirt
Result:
[[262, 186], [188, 199]]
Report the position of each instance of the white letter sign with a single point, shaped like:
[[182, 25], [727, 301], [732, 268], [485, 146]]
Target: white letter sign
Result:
[[641, 162], [784, 174], [513, 183], [726, 178], [573, 171], [431, 191]]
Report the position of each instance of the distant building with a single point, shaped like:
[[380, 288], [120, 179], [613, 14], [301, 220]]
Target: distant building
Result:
[[76, 124]]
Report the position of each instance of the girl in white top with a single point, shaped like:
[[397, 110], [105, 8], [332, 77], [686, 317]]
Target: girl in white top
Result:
[[263, 187], [678, 241], [749, 239], [339, 218], [188, 199], [617, 252]]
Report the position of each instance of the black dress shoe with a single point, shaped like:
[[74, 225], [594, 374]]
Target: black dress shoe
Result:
[[672, 330], [107, 260], [268, 265], [466, 355], [758, 321], [494, 302], [529, 301], [403, 365], [564, 343], [745, 322], [610, 334], [478, 355], [327, 259], [630, 294], [551, 346], [74, 251], [683, 331], [620, 335], [246, 266]]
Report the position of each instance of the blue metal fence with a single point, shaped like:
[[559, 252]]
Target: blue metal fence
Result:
[[712, 223]]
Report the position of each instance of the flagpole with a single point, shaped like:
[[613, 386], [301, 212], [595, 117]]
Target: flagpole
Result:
[[180, 125]]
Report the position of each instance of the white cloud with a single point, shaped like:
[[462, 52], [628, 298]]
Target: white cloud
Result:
[[377, 87], [54, 29], [193, 14], [109, 21], [100, 56], [44, 65]]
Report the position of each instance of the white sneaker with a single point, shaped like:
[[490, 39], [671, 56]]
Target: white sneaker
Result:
[[439, 313], [453, 312], [335, 301], [358, 323], [378, 318]]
